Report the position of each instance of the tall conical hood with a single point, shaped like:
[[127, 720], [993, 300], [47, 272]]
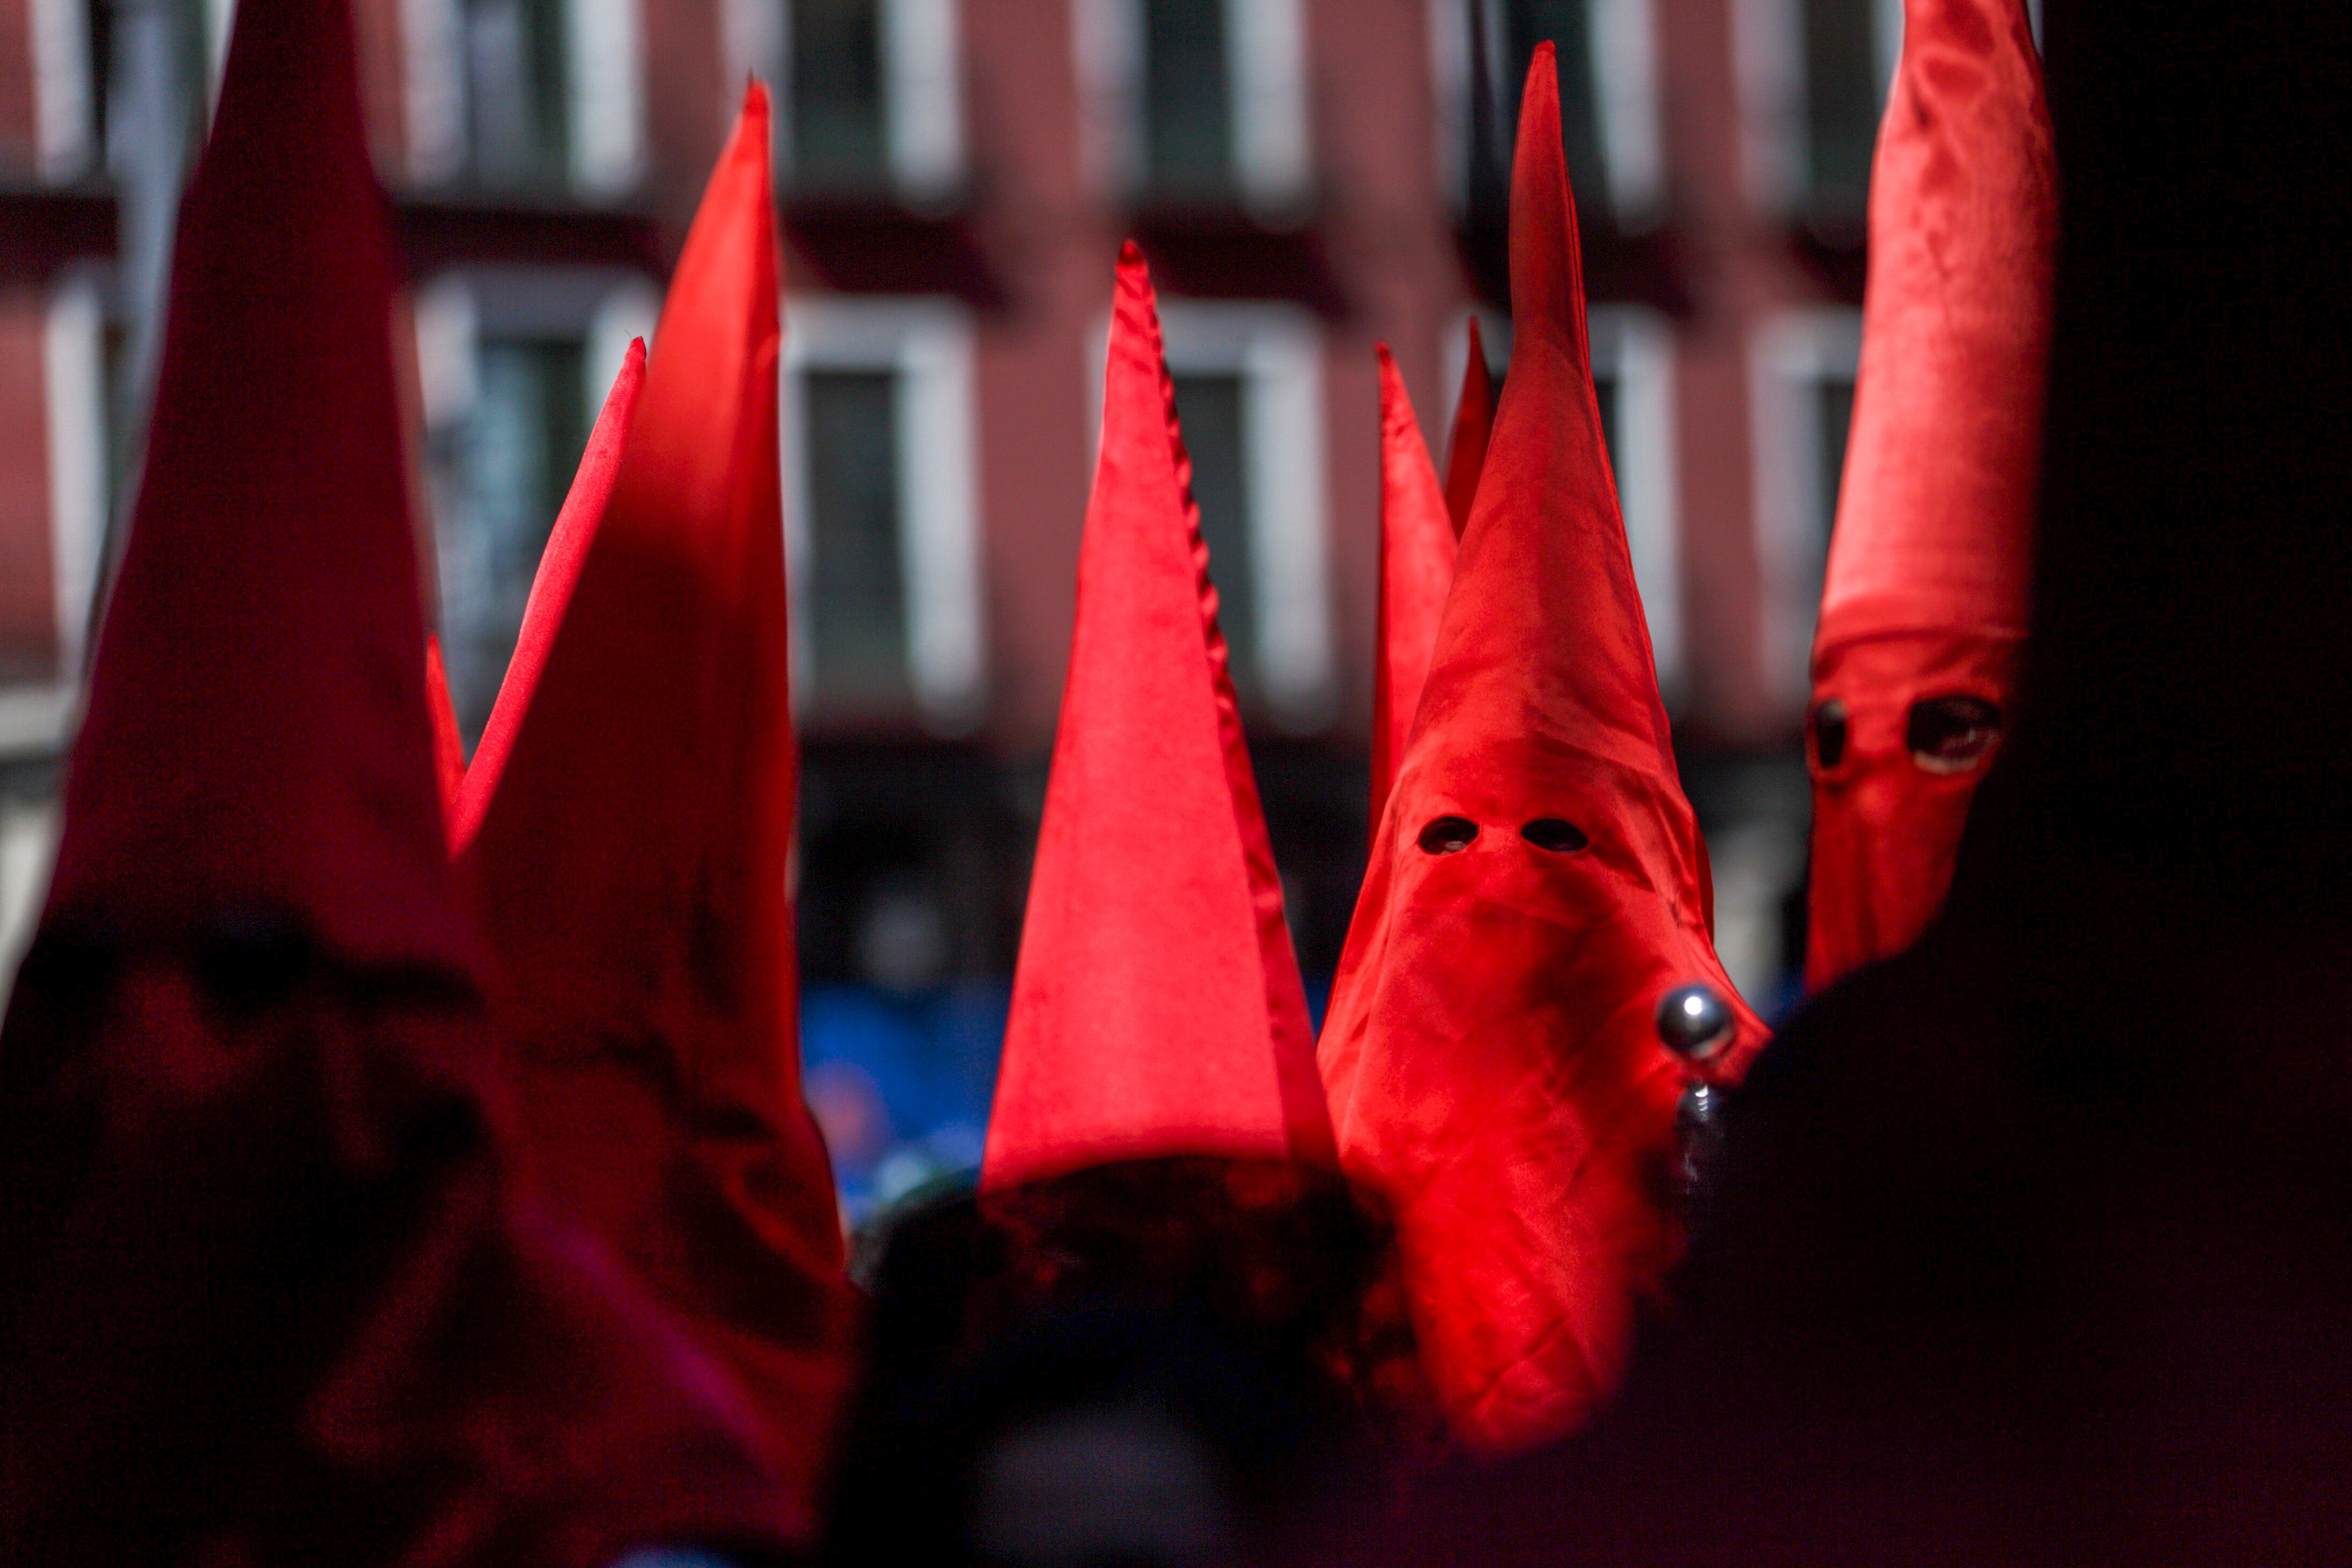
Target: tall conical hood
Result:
[[1474, 426], [551, 594], [1157, 1007], [1537, 890], [633, 859], [257, 734], [1416, 569], [1925, 603]]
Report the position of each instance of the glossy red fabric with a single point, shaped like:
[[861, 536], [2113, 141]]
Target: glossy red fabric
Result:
[[1417, 539], [551, 593], [1474, 426], [448, 745], [1925, 595], [1491, 1053], [1157, 1007], [270, 1290], [631, 860]]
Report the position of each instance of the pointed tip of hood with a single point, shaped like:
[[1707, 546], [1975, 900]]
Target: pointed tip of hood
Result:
[[1417, 547], [1473, 424], [1157, 1006], [1544, 639], [1935, 513], [258, 728]]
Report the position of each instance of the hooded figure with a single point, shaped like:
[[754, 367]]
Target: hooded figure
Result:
[[632, 853], [1157, 1007], [1417, 541], [1538, 889], [1925, 603], [1474, 426], [270, 1290]]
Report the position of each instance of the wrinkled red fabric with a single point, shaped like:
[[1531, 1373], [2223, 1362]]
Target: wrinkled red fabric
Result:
[[631, 860], [1491, 1053], [1417, 541], [1474, 426], [1926, 594], [1157, 1007], [448, 745], [269, 1288], [550, 591]]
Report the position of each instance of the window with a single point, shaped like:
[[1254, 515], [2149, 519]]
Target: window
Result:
[[1197, 101], [1814, 75], [1608, 93], [1249, 396], [880, 513], [1633, 377], [1802, 375], [523, 95], [513, 364], [868, 93]]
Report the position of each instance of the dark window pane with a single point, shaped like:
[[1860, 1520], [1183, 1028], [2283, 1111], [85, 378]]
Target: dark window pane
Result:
[[836, 97], [1188, 109], [1209, 409], [514, 90], [1840, 108], [857, 600], [1834, 408], [1566, 25]]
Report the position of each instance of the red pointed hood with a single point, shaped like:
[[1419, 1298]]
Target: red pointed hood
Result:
[[1925, 603], [1474, 426], [1416, 568], [261, 1220], [632, 859], [1157, 1007], [551, 593], [1537, 886], [258, 732]]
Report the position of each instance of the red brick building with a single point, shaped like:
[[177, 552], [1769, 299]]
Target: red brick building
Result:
[[1309, 177]]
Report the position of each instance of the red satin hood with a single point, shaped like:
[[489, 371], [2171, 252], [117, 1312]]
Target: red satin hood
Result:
[[1491, 1053], [1925, 593], [1157, 1007], [1474, 426], [632, 859]]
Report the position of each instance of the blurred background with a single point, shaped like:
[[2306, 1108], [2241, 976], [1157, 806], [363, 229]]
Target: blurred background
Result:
[[1308, 177]]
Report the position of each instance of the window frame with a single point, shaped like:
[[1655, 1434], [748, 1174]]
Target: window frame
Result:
[[923, 137], [1767, 41], [1626, 97], [1791, 356], [1267, 87], [603, 95], [928, 344]]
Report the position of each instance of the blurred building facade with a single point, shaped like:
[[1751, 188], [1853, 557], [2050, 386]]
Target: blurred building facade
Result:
[[1308, 178]]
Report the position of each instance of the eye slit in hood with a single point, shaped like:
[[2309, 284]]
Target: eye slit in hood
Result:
[[1555, 833], [1448, 835], [1829, 734]]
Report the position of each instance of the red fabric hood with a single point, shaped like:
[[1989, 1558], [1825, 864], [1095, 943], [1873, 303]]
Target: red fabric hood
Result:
[[1474, 426], [1926, 594], [631, 856], [269, 1291], [1157, 1007], [1416, 568], [1491, 1053]]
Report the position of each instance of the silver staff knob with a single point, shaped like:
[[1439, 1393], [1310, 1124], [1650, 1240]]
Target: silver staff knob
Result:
[[1694, 1022]]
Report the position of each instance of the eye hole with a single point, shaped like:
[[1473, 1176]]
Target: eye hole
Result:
[[1551, 833], [1448, 835], [1952, 735], [1829, 733]]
